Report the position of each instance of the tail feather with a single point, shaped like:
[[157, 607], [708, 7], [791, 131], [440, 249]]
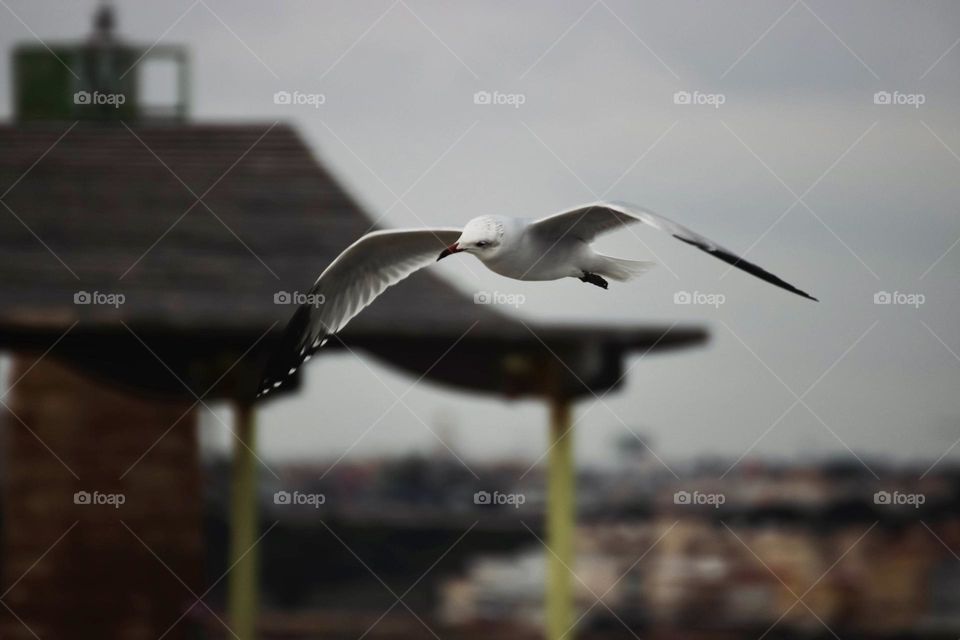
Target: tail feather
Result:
[[621, 269]]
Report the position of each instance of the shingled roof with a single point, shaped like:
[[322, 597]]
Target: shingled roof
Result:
[[198, 227]]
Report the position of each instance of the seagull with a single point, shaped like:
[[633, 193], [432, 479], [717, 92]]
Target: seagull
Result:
[[551, 248]]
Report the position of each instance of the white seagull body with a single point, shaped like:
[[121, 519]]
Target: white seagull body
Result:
[[550, 248]]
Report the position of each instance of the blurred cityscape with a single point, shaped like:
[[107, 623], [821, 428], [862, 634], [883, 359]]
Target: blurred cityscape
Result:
[[171, 187], [802, 549]]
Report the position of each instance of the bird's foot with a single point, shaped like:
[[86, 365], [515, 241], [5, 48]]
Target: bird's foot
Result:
[[593, 278]]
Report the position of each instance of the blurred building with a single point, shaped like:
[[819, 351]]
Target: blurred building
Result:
[[861, 566], [150, 263], [510, 588]]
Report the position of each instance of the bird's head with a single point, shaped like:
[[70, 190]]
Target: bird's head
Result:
[[482, 237]]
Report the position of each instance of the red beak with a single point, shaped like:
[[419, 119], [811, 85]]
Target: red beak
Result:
[[449, 251]]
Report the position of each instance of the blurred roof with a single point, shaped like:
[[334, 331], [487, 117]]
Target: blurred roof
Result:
[[198, 227]]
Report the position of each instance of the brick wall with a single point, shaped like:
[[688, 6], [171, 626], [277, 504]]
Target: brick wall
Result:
[[99, 580]]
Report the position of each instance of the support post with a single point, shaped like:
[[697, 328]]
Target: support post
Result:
[[560, 522], [242, 603]]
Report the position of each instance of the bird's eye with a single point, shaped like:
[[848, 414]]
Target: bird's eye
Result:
[[482, 243]]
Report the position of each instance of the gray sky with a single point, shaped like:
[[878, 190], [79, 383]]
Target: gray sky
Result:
[[877, 185]]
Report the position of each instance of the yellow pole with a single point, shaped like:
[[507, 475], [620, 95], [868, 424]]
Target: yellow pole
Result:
[[560, 523], [242, 600]]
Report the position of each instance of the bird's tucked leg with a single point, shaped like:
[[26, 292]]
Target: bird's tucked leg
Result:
[[593, 278]]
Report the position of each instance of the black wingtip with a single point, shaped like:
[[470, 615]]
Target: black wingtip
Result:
[[745, 265], [284, 365], [289, 354], [801, 293]]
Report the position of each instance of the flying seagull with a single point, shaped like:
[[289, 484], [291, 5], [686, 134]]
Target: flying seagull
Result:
[[550, 248]]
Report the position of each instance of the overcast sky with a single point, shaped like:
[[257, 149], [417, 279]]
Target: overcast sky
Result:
[[787, 157]]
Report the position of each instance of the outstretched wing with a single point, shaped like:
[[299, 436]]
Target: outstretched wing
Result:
[[362, 272], [589, 221]]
